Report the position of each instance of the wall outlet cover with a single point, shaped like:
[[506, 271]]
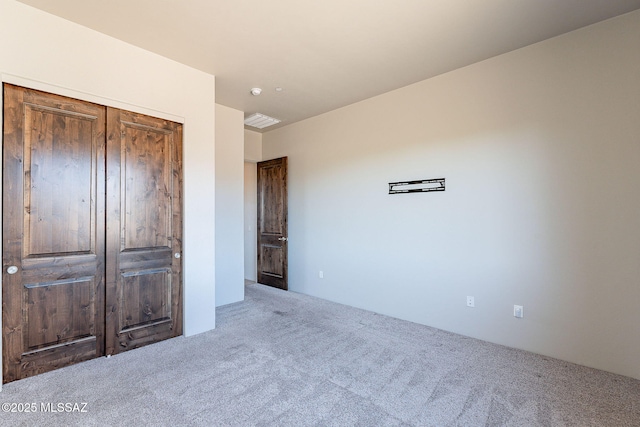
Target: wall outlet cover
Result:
[[518, 311]]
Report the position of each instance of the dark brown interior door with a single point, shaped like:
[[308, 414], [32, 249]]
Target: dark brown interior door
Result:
[[272, 223], [144, 230], [53, 232]]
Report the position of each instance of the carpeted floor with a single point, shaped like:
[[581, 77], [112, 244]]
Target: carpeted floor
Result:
[[285, 359]]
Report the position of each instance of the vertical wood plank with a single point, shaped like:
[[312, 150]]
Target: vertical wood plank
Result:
[[13, 206]]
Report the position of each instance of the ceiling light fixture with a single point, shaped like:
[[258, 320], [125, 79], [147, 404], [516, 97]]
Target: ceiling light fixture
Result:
[[260, 121], [256, 91]]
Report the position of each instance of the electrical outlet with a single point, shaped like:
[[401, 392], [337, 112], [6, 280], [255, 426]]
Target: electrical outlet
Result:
[[321, 274], [471, 302], [518, 311]]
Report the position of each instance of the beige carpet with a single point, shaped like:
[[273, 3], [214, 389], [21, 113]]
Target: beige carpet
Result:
[[285, 359]]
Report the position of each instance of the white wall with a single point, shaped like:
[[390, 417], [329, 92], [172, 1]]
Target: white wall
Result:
[[250, 221], [252, 155], [229, 216], [252, 146], [540, 150], [48, 53]]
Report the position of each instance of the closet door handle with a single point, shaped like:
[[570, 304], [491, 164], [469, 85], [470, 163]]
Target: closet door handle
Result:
[[12, 270]]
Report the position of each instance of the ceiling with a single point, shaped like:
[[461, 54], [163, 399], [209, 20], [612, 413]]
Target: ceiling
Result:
[[330, 53]]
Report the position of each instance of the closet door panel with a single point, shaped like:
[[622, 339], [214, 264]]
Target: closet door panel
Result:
[[54, 232], [92, 231], [144, 226]]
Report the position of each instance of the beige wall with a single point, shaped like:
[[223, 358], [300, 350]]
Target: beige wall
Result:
[[229, 205], [55, 55], [250, 221], [252, 155], [540, 151], [252, 146]]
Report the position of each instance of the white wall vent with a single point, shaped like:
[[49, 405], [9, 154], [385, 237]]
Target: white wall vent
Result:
[[260, 121]]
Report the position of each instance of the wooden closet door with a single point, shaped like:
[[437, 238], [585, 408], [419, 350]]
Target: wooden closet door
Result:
[[144, 230], [53, 230]]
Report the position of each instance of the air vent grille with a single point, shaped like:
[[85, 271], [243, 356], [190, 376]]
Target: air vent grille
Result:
[[260, 121]]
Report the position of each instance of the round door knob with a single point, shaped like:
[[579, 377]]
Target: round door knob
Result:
[[12, 270], [177, 255]]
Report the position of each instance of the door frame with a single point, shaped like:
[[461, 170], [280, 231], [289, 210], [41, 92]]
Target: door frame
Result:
[[27, 82]]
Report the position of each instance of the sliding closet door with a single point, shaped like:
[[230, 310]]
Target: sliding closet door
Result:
[[144, 230], [92, 230], [53, 230]]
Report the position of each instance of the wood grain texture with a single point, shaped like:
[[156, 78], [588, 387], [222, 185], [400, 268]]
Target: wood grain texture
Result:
[[75, 217], [272, 223], [58, 170], [144, 223], [146, 172], [146, 297], [53, 229], [59, 312]]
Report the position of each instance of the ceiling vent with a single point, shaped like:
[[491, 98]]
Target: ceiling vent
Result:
[[260, 121]]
